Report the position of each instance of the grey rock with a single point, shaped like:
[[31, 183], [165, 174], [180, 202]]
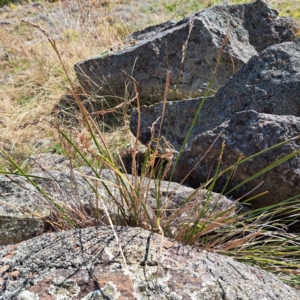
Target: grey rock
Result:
[[173, 196], [174, 125], [18, 198], [5, 8], [268, 83], [47, 161], [87, 264], [24, 211], [249, 28], [247, 133]]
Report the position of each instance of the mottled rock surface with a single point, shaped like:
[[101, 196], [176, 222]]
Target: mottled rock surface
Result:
[[247, 133], [268, 83], [21, 203], [87, 264], [23, 209], [45, 161], [16, 222], [249, 28]]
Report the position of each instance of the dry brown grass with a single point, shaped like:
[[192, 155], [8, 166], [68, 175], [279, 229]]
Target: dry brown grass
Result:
[[34, 81], [31, 77]]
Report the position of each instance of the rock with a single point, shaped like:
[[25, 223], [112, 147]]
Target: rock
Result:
[[247, 133], [5, 8], [249, 28], [172, 196], [24, 211], [268, 83], [16, 223], [21, 204], [45, 161], [87, 264], [175, 124]]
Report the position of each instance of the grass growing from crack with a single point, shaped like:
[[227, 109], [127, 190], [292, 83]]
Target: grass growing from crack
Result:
[[259, 237]]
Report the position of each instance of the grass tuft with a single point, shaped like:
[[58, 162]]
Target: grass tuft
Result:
[[35, 77]]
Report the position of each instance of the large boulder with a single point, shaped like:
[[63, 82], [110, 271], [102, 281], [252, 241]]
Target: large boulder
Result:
[[87, 264], [25, 212], [189, 49], [247, 133], [268, 83]]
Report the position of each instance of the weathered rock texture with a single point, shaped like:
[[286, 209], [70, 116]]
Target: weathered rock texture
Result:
[[21, 203], [16, 223], [268, 83], [87, 264], [45, 161], [23, 209], [187, 204], [249, 28], [247, 133]]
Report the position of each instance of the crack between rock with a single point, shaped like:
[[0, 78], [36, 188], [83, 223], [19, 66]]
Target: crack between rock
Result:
[[221, 287], [238, 271]]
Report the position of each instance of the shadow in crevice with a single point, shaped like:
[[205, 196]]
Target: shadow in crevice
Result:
[[68, 112]]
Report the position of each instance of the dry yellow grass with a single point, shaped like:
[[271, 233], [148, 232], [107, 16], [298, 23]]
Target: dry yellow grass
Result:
[[31, 77], [32, 82]]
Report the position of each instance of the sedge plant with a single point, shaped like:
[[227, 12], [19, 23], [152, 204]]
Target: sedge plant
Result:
[[260, 237]]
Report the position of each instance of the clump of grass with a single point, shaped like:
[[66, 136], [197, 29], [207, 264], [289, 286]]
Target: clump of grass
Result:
[[264, 237], [260, 237], [32, 80]]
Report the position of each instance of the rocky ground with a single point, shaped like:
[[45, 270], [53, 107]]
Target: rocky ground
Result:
[[88, 261], [32, 80]]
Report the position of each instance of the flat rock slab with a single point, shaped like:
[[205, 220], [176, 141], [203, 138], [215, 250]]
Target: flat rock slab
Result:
[[189, 50], [268, 83], [246, 134], [87, 264]]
